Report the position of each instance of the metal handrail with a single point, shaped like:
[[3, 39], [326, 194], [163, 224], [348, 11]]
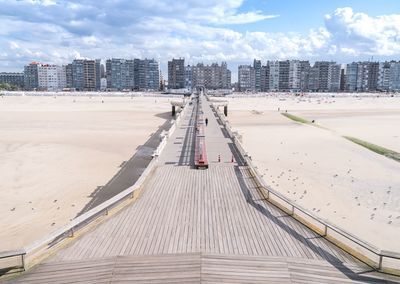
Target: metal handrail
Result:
[[89, 216], [11, 253], [293, 206]]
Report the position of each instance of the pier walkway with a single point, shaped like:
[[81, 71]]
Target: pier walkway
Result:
[[208, 226]]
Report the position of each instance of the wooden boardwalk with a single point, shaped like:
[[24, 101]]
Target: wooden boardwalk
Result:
[[217, 214], [197, 268], [183, 210], [213, 211]]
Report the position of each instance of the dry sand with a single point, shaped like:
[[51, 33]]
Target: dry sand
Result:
[[54, 152], [348, 185], [376, 120]]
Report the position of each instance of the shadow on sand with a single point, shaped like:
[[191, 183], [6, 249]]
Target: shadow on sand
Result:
[[130, 170]]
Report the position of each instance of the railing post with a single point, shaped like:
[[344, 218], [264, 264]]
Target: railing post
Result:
[[380, 262], [325, 230], [23, 261]]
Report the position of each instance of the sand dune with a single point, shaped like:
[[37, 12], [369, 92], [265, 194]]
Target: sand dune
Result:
[[336, 179], [55, 152]]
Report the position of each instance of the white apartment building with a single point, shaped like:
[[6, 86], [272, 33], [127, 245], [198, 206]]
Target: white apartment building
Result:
[[273, 75], [384, 76], [246, 78], [294, 75], [51, 77], [394, 84], [334, 77]]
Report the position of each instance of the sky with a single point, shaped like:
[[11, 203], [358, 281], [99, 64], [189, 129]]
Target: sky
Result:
[[236, 31]]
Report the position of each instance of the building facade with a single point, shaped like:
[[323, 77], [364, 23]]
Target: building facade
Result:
[[146, 75], [334, 72], [257, 72], [188, 77], [212, 76], [264, 78], [176, 73], [12, 79], [294, 75], [31, 76], [246, 78], [120, 74], [284, 67], [394, 81], [51, 77], [304, 75], [86, 74], [273, 75], [384, 76]]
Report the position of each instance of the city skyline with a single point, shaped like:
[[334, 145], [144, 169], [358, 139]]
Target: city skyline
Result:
[[261, 76], [57, 31]]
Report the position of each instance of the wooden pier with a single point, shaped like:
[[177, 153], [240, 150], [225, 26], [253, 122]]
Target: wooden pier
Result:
[[201, 226]]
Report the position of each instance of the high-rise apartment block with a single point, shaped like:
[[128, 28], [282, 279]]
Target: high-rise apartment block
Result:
[[176, 74], [246, 78], [367, 76], [264, 78], [86, 75], [68, 76], [212, 76], [290, 75], [257, 73], [13, 79], [284, 67], [146, 75], [324, 76], [394, 81], [294, 75], [188, 77], [273, 75], [384, 76], [31, 76], [120, 74], [304, 75], [51, 77]]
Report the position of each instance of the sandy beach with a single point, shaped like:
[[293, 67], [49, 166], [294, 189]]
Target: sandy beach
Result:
[[55, 152], [342, 182]]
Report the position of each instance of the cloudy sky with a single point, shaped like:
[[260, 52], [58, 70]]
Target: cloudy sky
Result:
[[236, 31]]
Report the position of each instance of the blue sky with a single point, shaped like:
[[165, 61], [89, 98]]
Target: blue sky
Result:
[[236, 31]]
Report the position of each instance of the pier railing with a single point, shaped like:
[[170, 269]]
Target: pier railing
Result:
[[20, 259], [380, 260]]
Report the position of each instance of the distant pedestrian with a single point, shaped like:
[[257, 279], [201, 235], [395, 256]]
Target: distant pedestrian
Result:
[[206, 121]]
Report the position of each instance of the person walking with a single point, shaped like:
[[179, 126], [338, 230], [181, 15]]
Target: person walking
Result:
[[206, 121]]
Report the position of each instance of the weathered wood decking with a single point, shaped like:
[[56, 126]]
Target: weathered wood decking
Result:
[[183, 210], [197, 268], [213, 211], [213, 222]]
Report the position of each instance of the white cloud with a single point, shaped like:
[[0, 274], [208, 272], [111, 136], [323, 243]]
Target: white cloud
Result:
[[243, 18], [359, 33], [40, 2], [13, 45], [199, 30], [349, 51]]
